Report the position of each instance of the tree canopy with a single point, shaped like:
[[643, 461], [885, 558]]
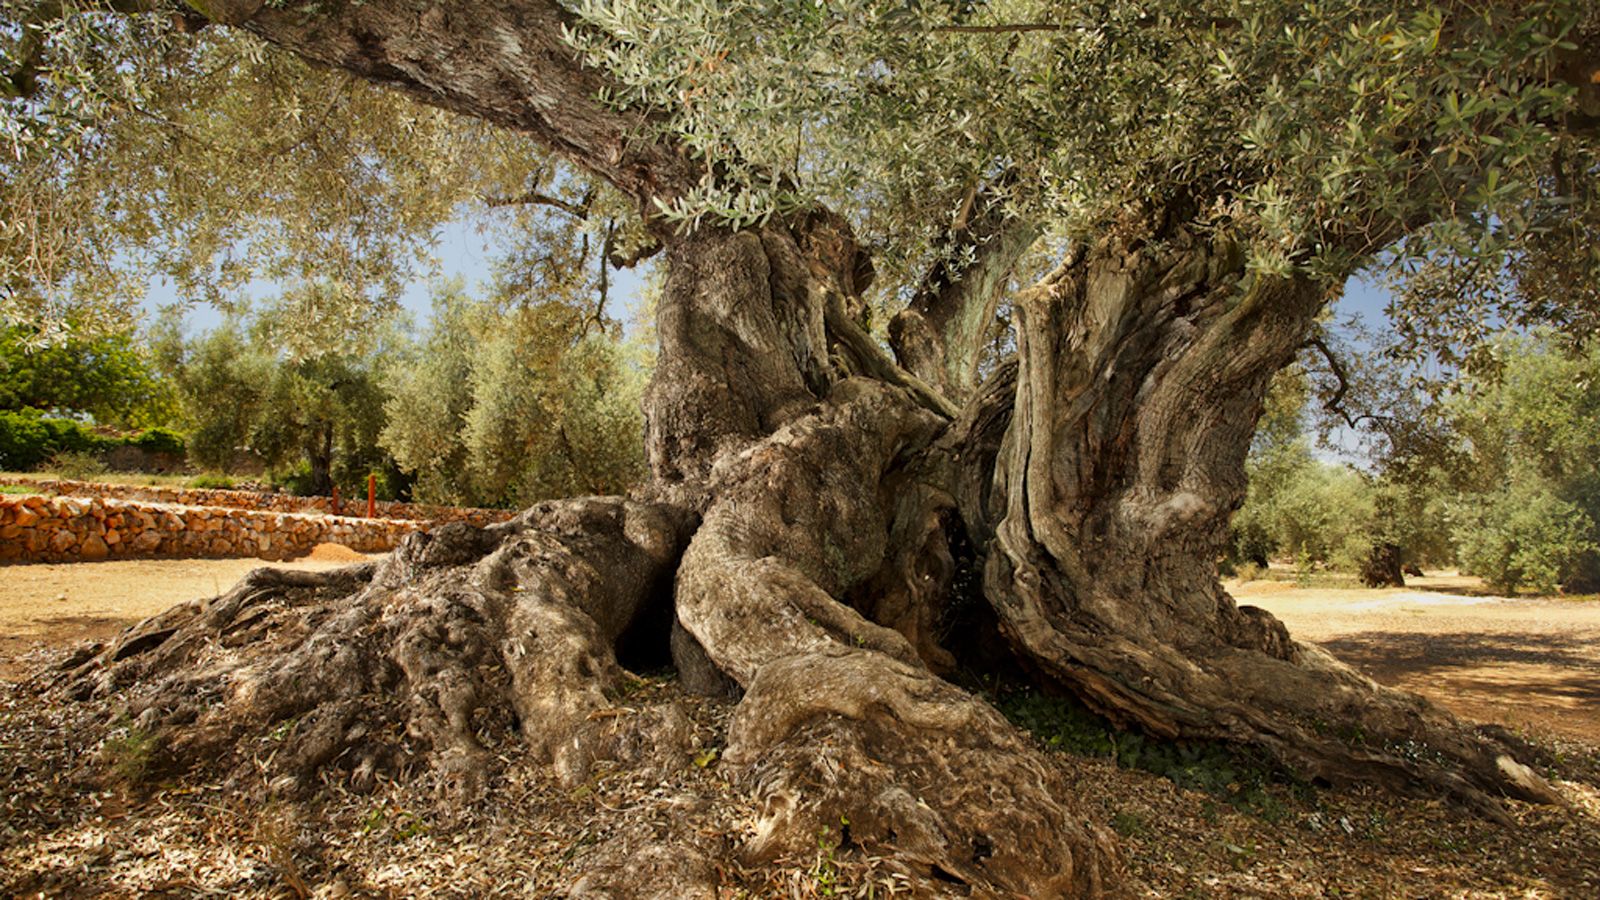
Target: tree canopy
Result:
[[507, 403], [211, 161], [106, 377], [1444, 142]]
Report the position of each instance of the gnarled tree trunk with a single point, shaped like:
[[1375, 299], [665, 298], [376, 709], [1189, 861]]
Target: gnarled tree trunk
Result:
[[1142, 369], [807, 493]]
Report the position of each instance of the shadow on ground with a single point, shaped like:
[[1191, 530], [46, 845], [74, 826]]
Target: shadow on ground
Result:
[[1548, 682]]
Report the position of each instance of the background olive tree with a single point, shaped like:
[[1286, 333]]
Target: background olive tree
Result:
[[507, 406]]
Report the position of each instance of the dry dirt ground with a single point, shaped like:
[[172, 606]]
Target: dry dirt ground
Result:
[[78, 820], [1531, 664], [1528, 663], [60, 604]]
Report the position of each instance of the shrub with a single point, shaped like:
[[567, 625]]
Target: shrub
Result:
[[391, 485], [28, 438], [211, 481], [158, 440], [78, 465], [70, 436], [24, 442], [1523, 535], [296, 481]]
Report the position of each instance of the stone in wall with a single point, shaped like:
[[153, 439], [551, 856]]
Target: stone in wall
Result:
[[206, 497], [57, 529]]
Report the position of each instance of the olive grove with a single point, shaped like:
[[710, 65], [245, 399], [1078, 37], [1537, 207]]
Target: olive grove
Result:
[[1158, 199]]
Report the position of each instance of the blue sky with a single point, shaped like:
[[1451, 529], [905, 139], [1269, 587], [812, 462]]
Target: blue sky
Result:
[[1364, 300], [464, 252]]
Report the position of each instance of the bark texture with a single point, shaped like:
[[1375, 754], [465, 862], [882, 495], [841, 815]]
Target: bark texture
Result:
[[423, 663], [943, 332], [841, 720], [1142, 368]]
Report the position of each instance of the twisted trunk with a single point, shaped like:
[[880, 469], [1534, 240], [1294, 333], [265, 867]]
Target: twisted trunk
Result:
[[803, 518], [785, 488], [1142, 369]]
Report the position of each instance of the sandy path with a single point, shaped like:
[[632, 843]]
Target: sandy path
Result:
[[57, 604], [1524, 663]]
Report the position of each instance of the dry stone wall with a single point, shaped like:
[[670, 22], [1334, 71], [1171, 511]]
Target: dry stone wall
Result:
[[36, 528], [251, 500]]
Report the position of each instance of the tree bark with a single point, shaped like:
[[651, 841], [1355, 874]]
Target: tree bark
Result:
[[790, 487], [1142, 370], [941, 334], [1382, 566], [319, 456]]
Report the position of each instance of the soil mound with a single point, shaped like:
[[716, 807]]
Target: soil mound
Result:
[[326, 552]]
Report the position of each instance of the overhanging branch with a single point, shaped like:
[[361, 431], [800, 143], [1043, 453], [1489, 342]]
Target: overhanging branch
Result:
[[579, 211], [1335, 403]]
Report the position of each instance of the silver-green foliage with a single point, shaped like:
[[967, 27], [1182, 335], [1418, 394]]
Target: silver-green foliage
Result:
[[1529, 481], [221, 380], [1319, 132], [1437, 138], [1320, 512], [246, 399], [212, 160], [513, 403], [1498, 475]]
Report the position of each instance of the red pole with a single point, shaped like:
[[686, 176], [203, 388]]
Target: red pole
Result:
[[336, 501], [372, 496]]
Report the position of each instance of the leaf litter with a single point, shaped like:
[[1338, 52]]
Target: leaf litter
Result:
[[70, 827]]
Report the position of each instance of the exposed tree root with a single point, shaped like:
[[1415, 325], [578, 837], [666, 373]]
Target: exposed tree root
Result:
[[1320, 718], [431, 659]]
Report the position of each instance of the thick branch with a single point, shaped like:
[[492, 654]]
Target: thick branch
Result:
[[505, 63], [634, 255]]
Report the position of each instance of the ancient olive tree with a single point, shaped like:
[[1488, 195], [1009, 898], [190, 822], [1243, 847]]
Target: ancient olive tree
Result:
[[1159, 197]]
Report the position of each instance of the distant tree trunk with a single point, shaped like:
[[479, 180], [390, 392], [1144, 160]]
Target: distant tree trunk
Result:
[[804, 529], [319, 457], [1382, 567]]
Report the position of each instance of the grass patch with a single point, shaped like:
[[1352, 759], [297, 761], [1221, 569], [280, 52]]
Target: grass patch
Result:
[[19, 489], [141, 479], [1239, 776], [78, 465], [131, 752]]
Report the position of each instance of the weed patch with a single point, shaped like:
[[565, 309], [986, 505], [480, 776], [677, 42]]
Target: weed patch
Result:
[[131, 752], [1236, 775]]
